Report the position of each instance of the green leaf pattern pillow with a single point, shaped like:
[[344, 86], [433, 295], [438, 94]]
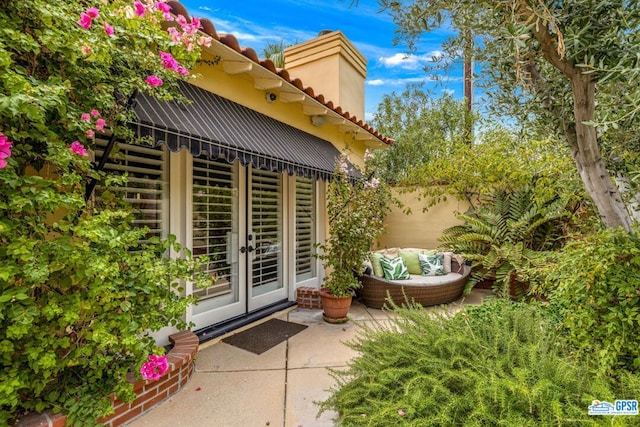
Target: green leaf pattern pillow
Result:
[[394, 268], [432, 265]]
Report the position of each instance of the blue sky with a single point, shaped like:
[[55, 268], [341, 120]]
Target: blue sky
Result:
[[255, 23]]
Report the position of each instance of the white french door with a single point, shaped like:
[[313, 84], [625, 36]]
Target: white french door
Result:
[[265, 239], [215, 232], [237, 221]]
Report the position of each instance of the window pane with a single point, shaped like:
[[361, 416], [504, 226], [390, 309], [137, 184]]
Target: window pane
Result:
[[305, 229]]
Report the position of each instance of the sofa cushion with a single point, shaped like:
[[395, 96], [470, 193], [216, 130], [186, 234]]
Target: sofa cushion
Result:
[[411, 260], [389, 252], [394, 268], [446, 264], [432, 264], [374, 257], [419, 280]]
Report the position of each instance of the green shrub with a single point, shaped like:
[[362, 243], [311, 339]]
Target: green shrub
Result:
[[501, 364], [595, 281], [505, 237], [78, 294]]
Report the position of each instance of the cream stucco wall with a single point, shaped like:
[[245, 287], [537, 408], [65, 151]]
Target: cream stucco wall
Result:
[[419, 229], [240, 88]]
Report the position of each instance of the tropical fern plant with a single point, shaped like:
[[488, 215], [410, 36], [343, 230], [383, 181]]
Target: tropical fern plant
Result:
[[508, 235]]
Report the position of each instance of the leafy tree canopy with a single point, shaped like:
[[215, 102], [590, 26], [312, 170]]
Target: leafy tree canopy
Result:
[[563, 65], [423, 128]]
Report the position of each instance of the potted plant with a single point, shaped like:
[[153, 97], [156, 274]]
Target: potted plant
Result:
[[357, 207]]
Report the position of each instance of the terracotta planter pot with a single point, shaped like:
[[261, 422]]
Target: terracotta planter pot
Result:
[[335, 308]]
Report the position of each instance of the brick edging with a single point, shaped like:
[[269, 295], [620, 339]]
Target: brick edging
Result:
[[149, 393]]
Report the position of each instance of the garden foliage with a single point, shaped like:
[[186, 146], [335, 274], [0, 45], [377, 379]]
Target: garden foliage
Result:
[[499, 364], [595, 282], [79, 292], [357, 206], [509, 233]]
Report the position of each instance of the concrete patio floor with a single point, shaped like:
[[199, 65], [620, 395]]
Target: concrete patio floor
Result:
[[232, 387]]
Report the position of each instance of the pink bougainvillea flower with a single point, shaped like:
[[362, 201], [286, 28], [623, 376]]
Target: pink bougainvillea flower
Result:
[[168, 61], [108, 29], [90, 133], [85, 21], [95, 113], [100, 124], [155, 368], [165, 9], [182, 70], [162, 6], [85, 117], [78, 149], [93, 12], [204, 41], [139, 8], [181, 20], [174, 33], [5, 150], [154, 81], [5, 144]]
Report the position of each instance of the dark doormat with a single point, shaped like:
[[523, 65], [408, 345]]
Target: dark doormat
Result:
[[262, 337]]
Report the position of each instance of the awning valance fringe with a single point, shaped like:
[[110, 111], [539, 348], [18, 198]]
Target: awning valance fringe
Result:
[[218, 128]]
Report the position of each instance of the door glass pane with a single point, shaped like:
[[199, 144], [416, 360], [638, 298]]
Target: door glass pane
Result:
[[305, 229], [215, 228], [266, 230]]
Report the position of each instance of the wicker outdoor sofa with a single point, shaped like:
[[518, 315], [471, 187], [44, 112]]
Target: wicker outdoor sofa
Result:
[[424, 290]]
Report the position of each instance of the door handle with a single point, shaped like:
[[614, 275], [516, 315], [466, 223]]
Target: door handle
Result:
[[245, 249]]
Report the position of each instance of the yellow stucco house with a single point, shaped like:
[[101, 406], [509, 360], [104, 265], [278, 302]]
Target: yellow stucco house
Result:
[[240, 173]]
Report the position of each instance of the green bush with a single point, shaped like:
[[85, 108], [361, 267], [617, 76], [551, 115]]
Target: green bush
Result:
[[78, 294], [500, 364], [595, 280], [507, 236]]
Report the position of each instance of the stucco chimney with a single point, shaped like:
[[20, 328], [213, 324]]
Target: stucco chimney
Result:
[[333, 67]]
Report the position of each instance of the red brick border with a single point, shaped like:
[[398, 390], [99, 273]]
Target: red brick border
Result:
[[308, 297], [149, 393]]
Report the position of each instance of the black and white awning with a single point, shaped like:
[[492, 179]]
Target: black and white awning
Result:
[[218, 128]]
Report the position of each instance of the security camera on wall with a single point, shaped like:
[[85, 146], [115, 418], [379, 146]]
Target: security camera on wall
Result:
[[270, 97]]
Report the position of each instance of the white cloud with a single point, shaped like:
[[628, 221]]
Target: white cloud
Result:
[[401, 81], [409, 61]]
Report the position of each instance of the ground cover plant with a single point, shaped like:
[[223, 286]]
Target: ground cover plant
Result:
[[502, 363]]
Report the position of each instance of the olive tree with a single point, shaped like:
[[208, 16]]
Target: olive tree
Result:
[[564, 63]]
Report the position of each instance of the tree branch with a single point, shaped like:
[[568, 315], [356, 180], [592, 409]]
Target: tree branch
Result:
[[543, 35]]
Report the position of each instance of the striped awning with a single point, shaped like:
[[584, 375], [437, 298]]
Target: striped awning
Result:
[[218, 128]]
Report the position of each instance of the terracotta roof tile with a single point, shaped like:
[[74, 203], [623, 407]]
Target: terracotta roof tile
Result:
[[284, 74], [209, 28], [230, 41], [268, 64], [251, 54]]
